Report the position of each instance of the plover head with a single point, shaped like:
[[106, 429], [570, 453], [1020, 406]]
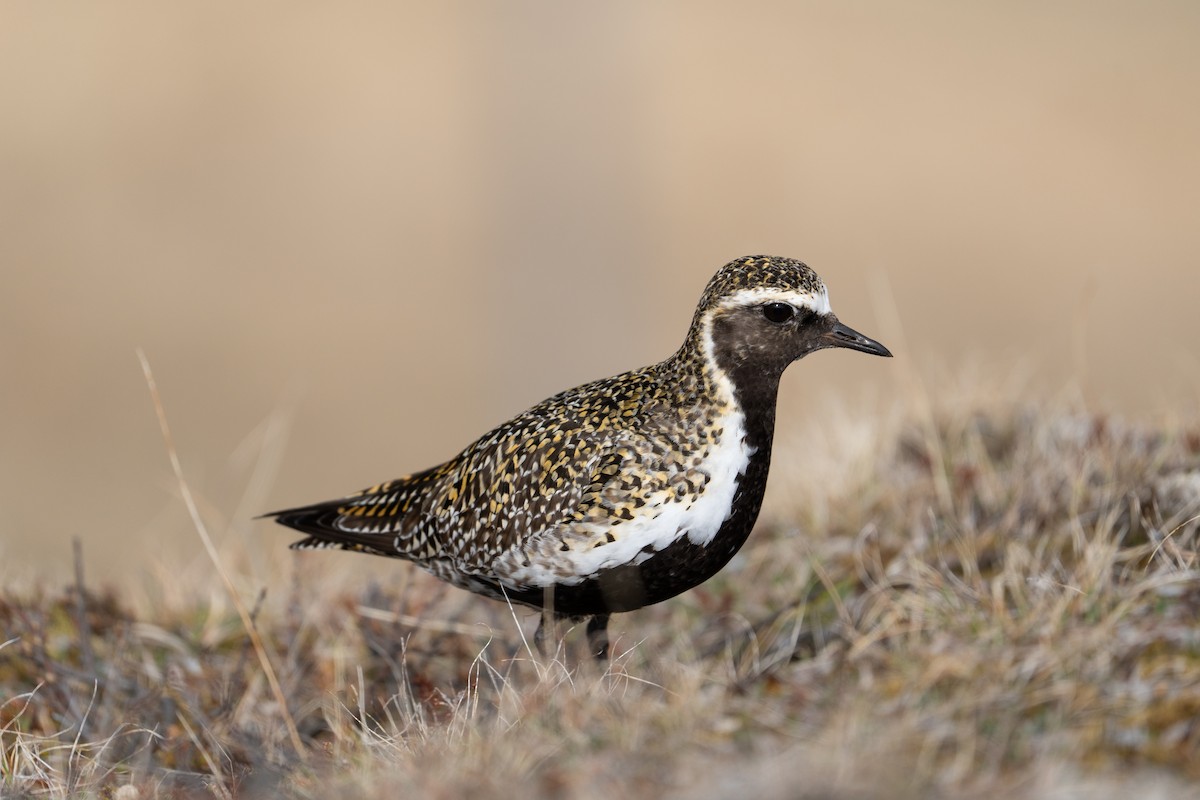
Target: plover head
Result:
[[761, 313]]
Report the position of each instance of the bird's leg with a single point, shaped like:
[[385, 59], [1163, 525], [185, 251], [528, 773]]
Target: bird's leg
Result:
[[539, 636], [597, 636], [546, 627]]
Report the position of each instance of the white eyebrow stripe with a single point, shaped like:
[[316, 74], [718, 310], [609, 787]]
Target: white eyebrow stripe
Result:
[[816, 302]]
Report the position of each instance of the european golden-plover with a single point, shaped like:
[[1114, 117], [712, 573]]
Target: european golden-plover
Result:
[[619, 493]]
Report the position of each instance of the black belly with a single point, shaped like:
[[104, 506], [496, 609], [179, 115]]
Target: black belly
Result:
[[676, 568]]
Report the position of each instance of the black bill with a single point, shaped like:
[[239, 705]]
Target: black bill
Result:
[[844, 336]]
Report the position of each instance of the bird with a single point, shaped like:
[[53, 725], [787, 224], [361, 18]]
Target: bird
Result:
[[619, 493]]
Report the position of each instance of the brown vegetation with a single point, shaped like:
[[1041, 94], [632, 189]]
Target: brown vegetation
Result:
[[997, 603]]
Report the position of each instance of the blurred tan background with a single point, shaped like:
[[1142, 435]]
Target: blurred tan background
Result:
[[351, 237]]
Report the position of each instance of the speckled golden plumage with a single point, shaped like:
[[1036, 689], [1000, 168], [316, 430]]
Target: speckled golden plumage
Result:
[[617, 493]]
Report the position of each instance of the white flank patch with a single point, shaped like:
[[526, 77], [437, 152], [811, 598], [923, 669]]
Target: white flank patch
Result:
[[660, 522], [726, 465], [700, 519]]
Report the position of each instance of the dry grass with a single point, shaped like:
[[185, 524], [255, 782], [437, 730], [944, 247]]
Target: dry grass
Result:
[[997, 603]]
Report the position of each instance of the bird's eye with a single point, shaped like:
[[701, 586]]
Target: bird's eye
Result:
[[778, 313]]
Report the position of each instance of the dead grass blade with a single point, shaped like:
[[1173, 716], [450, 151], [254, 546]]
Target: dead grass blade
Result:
[[210, 548]]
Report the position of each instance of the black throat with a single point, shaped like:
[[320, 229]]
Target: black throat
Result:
[[757, 392]]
